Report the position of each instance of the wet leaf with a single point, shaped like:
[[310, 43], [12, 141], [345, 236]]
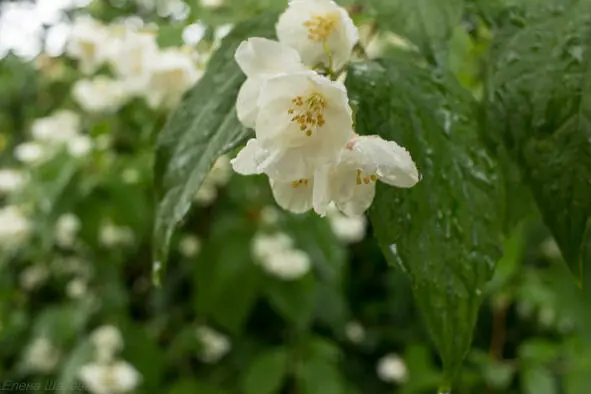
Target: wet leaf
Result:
[[444, 232], [539, 111], [200, 130]]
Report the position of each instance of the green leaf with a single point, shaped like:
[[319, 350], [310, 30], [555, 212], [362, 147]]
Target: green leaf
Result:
[[427, 23], [319, 371], [444, 232], [538, 380], [201, 129], [294, 300], [266, 372], [539, 111]]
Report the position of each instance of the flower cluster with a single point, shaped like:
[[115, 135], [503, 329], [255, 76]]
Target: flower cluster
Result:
[[107, 374], [304, 137], [141, 68]]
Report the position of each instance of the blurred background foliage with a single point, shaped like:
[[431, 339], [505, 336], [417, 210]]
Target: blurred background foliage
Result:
[[76, 301]]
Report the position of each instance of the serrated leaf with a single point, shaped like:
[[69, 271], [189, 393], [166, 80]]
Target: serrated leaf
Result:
[[202, 128], [539, 111], [444, 232], [266, 372]]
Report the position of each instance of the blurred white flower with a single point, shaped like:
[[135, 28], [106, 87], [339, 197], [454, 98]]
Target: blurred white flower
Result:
[[34, 276], [112, 235], [288, 264], [59, 127], [189, 246], [172, 72], [217, 177], [211, 3], [107, 341], [132, 56], [355, 332], [392, 369], [41, 356], [76, 288], [194, 33], [221, 32], [10, 180], [277, 256], [88, 43], [214, 345], [14, 226], [30, 152], [115, 378], [66, 229], [80, 145], [270, 215], [348, 229], [265, 245], [99, 94], [316, 27]]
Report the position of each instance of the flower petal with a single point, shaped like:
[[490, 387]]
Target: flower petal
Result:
[[321, 193], [359, 201], [246, 103], [388, 160], [294, 199], [259, 56], [248, 160]]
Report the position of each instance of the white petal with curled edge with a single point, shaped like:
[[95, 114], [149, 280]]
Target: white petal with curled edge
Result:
[[248, 160], [293, 199], [260, 56], [388, 160], [246, 103]]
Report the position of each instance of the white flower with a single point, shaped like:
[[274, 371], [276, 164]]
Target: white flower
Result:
[[58, 128], [348, 229], [33, 277], [316, 28], [112, 235], [270, 215], [355, 332], [214, 345], [132, 56], [66, 228], [41, 356], [79, 146], [265, 245], [10, 181], [289, 264], [206, 194], [88, 43], [76, 288], [363, 161], [302, 123], [172, 73], [30, 153], [116, 378], [211, 3], [392, 369], [14, 226], [277, 256], [261, 59], [107, 341], [189, 246], [100, 94]]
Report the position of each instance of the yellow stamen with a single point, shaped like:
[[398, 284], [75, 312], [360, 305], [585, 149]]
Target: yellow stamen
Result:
[[320, 27]]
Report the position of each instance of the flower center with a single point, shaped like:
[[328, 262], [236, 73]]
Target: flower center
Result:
[[320, 27], [308, 112], [299, 182], [361, 178]]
